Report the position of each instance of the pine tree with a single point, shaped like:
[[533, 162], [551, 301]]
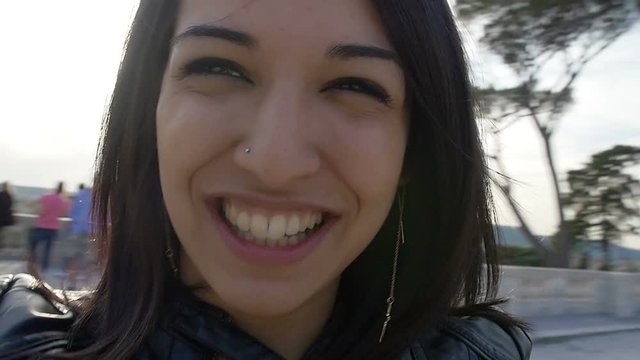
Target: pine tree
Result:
[[604, 198]]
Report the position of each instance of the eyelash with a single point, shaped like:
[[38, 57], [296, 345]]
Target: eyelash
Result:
[[217, 66], [362, 86]]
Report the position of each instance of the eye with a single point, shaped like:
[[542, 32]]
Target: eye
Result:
[[215, 66], [360, 86]]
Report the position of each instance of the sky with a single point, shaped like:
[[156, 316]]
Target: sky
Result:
[[59, 60], [603, 115], [58, 66]]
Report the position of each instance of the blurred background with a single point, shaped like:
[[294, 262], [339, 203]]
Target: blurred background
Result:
[[557, 88]]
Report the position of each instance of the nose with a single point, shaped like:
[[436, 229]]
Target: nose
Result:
[[277, 150]]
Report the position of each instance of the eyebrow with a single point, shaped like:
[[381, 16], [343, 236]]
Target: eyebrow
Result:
[[339, 51], [218, 32], [349, 51]]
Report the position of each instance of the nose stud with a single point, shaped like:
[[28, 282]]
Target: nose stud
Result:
[[247, 150]]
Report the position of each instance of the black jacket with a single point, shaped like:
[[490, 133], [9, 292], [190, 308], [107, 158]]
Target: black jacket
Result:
[[30, 321]]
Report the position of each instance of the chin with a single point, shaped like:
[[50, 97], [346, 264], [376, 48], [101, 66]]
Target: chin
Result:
[[262, 298]]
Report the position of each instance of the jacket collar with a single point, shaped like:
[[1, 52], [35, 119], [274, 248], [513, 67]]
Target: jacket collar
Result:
[[212, 330]]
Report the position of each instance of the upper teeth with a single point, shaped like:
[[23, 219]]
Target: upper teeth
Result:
[[277, 229]]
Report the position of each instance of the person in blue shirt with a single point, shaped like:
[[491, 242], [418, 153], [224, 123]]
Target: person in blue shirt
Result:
[[83, 257]]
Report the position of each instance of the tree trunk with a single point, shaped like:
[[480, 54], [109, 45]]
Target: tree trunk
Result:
[[563, 234], [606, 258], [548, 257]]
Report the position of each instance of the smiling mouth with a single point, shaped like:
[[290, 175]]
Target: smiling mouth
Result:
[[268, 228]]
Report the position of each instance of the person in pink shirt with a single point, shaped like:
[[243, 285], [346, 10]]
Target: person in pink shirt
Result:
[[52, 207]]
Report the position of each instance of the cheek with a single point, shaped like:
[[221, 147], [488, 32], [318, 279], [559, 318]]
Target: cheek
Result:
[[194, 130], [370, 161], [370, 153], [191, 133], [189, 129], [374, 175]]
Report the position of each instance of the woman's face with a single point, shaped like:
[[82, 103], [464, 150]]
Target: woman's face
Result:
[[281, 132]]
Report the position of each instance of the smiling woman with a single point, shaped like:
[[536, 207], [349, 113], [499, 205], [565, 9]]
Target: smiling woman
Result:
[[287, 179]]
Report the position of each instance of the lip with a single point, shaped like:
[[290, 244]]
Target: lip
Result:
[[270, 203], [269, 256]]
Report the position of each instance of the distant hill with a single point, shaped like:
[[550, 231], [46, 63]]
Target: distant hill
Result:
[[594, 251], [28, 193], [24, 198], [513, 237]]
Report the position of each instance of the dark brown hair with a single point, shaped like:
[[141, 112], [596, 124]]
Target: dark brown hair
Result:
[[60, 188], [448, 264]]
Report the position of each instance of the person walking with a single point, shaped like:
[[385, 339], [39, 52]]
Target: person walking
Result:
[[53, 206], [6, 211], [83, 257]]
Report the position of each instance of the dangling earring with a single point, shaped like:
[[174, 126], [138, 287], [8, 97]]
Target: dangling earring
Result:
[[168, 252], [399, 240], [172, 261]]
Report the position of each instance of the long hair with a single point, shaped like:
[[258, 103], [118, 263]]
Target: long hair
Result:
[[447, 265]]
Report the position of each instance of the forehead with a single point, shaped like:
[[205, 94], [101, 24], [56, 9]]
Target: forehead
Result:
[[289, 21]]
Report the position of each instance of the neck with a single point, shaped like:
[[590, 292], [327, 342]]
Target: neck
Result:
[[290, 334], [293, 333]]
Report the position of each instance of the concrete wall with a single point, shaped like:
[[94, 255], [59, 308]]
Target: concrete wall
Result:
[[533, 291], [547, 291]]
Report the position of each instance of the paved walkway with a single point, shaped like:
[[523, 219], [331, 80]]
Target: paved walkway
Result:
[[12, 267], [55, 276], [613, 346], [552, 328]]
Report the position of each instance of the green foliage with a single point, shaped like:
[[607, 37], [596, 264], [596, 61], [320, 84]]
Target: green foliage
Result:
[[603, 197], [526, 32], [508, 255], [530, 34], [546, 44]]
